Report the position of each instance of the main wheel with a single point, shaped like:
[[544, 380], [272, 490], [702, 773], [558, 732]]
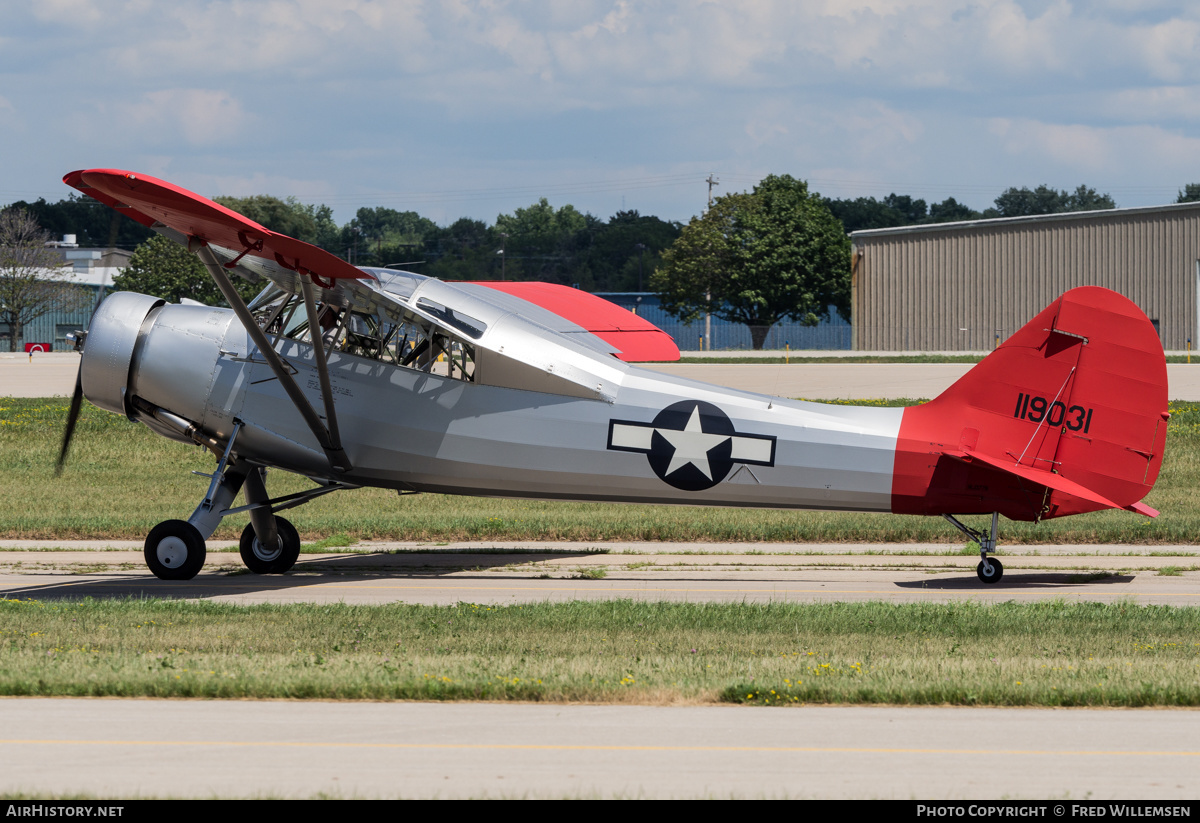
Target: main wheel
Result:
[[175, 550], [275, 559], [991, 571]]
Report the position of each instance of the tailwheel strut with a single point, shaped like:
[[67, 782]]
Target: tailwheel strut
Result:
[[989, 569]]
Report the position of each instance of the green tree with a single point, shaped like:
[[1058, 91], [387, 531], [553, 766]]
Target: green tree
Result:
[[303, 221], [867, 213], [897, 210], [759, 258], [913, 211], [163, 268], [626, 250], [1023, 202], [1189, 194], [32, 281], [543, 243], [949, 211], [464, 250], [1085, 198], [93, 223], [381, 236]]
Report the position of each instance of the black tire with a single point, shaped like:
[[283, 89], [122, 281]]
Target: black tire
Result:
[[992, 574], [175, 550], [278, 561]]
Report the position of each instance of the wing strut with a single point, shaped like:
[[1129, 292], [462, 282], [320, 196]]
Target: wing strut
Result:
[[318, 344], [327, 437]]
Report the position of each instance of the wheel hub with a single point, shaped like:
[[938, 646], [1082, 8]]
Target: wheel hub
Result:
[[172, 552], [265, 555]]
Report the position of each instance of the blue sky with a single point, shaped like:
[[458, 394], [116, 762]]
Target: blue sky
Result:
[[461, 108]]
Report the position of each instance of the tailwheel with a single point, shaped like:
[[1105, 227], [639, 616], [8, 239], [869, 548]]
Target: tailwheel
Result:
[[990, 570], [175, 550], [275, 559]]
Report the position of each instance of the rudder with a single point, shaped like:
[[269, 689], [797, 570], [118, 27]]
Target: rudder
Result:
[[1068, 415]]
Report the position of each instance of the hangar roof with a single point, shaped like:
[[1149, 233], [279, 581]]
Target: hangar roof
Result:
[[998, 222]]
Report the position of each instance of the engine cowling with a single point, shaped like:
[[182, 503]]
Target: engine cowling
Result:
[[108, 352]]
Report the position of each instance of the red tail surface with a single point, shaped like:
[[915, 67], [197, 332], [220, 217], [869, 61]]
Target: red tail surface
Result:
[[1069, 415]]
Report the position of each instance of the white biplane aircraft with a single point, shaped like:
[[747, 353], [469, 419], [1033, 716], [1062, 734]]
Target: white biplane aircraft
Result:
[[372, 377]]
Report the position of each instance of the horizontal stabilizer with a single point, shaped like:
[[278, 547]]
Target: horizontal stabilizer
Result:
[[1050, 480]]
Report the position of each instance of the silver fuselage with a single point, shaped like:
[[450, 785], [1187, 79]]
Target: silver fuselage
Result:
[[414, 430]]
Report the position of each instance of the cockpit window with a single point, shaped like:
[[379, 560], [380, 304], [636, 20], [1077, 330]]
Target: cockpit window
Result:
[[408, 344], [402, 284], [463, 322]]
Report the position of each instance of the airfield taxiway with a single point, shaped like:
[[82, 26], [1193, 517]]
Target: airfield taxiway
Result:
[[518, 572]]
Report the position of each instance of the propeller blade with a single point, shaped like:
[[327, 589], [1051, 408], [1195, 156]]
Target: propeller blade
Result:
[[76, 398], [72, 417]]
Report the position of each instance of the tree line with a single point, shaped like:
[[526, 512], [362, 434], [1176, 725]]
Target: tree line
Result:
[[779, 251], [539, 242]]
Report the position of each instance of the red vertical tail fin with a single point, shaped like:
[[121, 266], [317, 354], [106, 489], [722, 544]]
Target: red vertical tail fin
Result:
[[1068, 415]]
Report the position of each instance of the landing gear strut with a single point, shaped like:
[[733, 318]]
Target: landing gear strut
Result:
[[266, 558], [270, 545], [989, 569]]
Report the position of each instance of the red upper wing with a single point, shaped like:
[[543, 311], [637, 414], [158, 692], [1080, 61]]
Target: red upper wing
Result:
[[149, 200]]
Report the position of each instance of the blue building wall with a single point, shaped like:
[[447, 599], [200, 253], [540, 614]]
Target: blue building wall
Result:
[[53, 326], [831, 333]]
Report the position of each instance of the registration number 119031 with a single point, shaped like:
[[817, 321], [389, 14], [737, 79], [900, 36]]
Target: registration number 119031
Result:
[[1055, 413]]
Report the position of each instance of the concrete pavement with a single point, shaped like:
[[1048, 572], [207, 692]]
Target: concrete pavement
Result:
[[505, 573], [297, 749]]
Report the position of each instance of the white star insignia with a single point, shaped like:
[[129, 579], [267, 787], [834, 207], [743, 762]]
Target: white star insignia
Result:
[[692, 445]]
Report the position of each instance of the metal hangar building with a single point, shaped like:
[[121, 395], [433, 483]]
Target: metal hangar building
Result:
[[965, 286]]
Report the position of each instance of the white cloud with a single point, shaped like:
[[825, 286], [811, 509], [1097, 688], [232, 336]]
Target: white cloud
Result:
[[1150, 103], [199, 117], [369, 93], [1169, 49], [1098, 149], [880, 134], [68, 12], [306, 190]]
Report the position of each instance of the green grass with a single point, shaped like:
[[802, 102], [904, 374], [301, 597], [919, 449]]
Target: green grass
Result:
[[122, 479], [592, 574], [334, 541], [1045, 654]]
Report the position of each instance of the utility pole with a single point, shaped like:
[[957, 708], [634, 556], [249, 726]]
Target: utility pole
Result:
[[641, 248], [712, 181]]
